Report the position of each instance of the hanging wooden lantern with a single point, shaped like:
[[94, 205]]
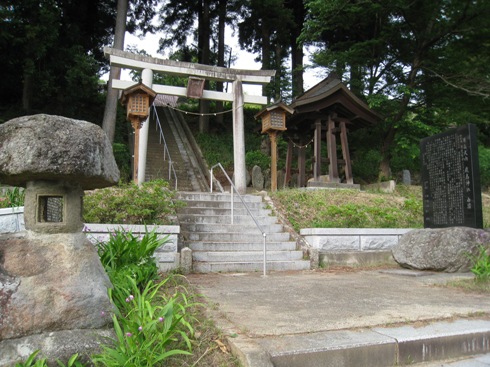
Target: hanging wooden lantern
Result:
[[274, 121], [274, 117], [137, 100]]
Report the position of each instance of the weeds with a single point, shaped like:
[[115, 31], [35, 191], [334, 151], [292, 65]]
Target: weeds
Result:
[[126, 255], [481, 265], [150, 326]]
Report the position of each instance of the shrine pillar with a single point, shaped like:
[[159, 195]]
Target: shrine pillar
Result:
[[333, 171], [301, 166], [317, 166]]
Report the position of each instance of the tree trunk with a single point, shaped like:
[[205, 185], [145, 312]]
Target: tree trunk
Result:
[[389, 138], [279, 76], [297, 53], [204, 34], [27, 90], [221, 55], [110, 112], [266, 56]]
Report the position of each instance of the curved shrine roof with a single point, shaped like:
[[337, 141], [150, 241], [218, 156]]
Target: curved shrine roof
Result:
[[331, 96]]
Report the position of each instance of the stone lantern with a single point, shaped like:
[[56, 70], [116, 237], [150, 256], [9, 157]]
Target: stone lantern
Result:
[[273, 121], [53, 288], [137, 100]]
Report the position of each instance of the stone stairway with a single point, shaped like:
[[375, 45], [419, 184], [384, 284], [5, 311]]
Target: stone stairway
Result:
[[180, 153], [219, 246]]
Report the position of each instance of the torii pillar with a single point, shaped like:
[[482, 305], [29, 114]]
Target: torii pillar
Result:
[[239, 138], [147, 78]]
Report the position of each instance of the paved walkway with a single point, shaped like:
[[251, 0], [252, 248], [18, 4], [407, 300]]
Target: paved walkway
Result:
[[273, 320]]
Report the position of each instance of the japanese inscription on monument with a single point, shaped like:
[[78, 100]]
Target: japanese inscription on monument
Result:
[[451, 179]]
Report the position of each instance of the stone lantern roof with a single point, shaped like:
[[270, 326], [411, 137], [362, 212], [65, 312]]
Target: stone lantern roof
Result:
[[54, 148], [55, 158]]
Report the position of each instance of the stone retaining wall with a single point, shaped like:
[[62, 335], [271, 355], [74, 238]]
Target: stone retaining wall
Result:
[[12, 220], [352, 239]]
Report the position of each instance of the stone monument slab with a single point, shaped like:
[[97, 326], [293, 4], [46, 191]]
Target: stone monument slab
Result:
[[451, 179]]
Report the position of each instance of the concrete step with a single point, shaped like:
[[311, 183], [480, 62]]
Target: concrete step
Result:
[[216, 267], [255, 236], [225, 219], [222, 211], [381, 346], [223, 204], [204, 196], [231, 228], [240, 246], [246, 256]]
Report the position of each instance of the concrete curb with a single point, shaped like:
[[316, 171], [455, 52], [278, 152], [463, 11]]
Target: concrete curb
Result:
[[376, 347]]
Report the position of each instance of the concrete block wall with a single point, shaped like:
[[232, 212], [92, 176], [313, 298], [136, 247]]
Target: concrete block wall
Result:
[[12, 220], [352, 239]]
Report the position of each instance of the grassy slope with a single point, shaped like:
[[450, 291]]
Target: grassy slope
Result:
[[357, 209]]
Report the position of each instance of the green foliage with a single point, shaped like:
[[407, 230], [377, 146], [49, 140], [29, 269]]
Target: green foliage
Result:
[[150, 327], [216, 148], [150, 203], [257, 158], [42, 362], [123, 161], [72, 362], [481, 264], [126, 256], [12, 198], [484, 158], [365, 165], [32, 361]]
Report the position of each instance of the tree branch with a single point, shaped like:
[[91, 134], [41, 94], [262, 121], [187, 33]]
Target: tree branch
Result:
[[483, 91]]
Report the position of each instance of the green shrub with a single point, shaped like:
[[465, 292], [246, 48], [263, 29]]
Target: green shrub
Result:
[[257, 158], [150, 203]]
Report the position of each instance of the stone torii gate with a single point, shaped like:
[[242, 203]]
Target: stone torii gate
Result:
[[238, 77]]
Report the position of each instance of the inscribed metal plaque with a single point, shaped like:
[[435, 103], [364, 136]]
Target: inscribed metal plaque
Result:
[[451, 179]]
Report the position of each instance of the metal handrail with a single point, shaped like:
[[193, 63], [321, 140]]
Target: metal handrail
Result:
[[166, 153], [234, 189]]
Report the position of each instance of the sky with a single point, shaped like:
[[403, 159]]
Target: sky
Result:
[[244, 60]]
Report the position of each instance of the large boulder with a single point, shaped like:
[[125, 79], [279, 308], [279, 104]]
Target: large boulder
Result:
[[45, 147], [442, 249], [50, 283]]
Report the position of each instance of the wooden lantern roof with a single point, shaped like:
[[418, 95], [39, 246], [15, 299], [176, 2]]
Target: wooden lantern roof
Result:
[[332, 96], [278, 105], [137, 88], [274, 117]]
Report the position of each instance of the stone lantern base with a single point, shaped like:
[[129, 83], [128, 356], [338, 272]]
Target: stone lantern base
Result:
[[49, 283]]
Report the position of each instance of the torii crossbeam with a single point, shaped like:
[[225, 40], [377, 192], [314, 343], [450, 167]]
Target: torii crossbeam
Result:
[[149, 65]]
